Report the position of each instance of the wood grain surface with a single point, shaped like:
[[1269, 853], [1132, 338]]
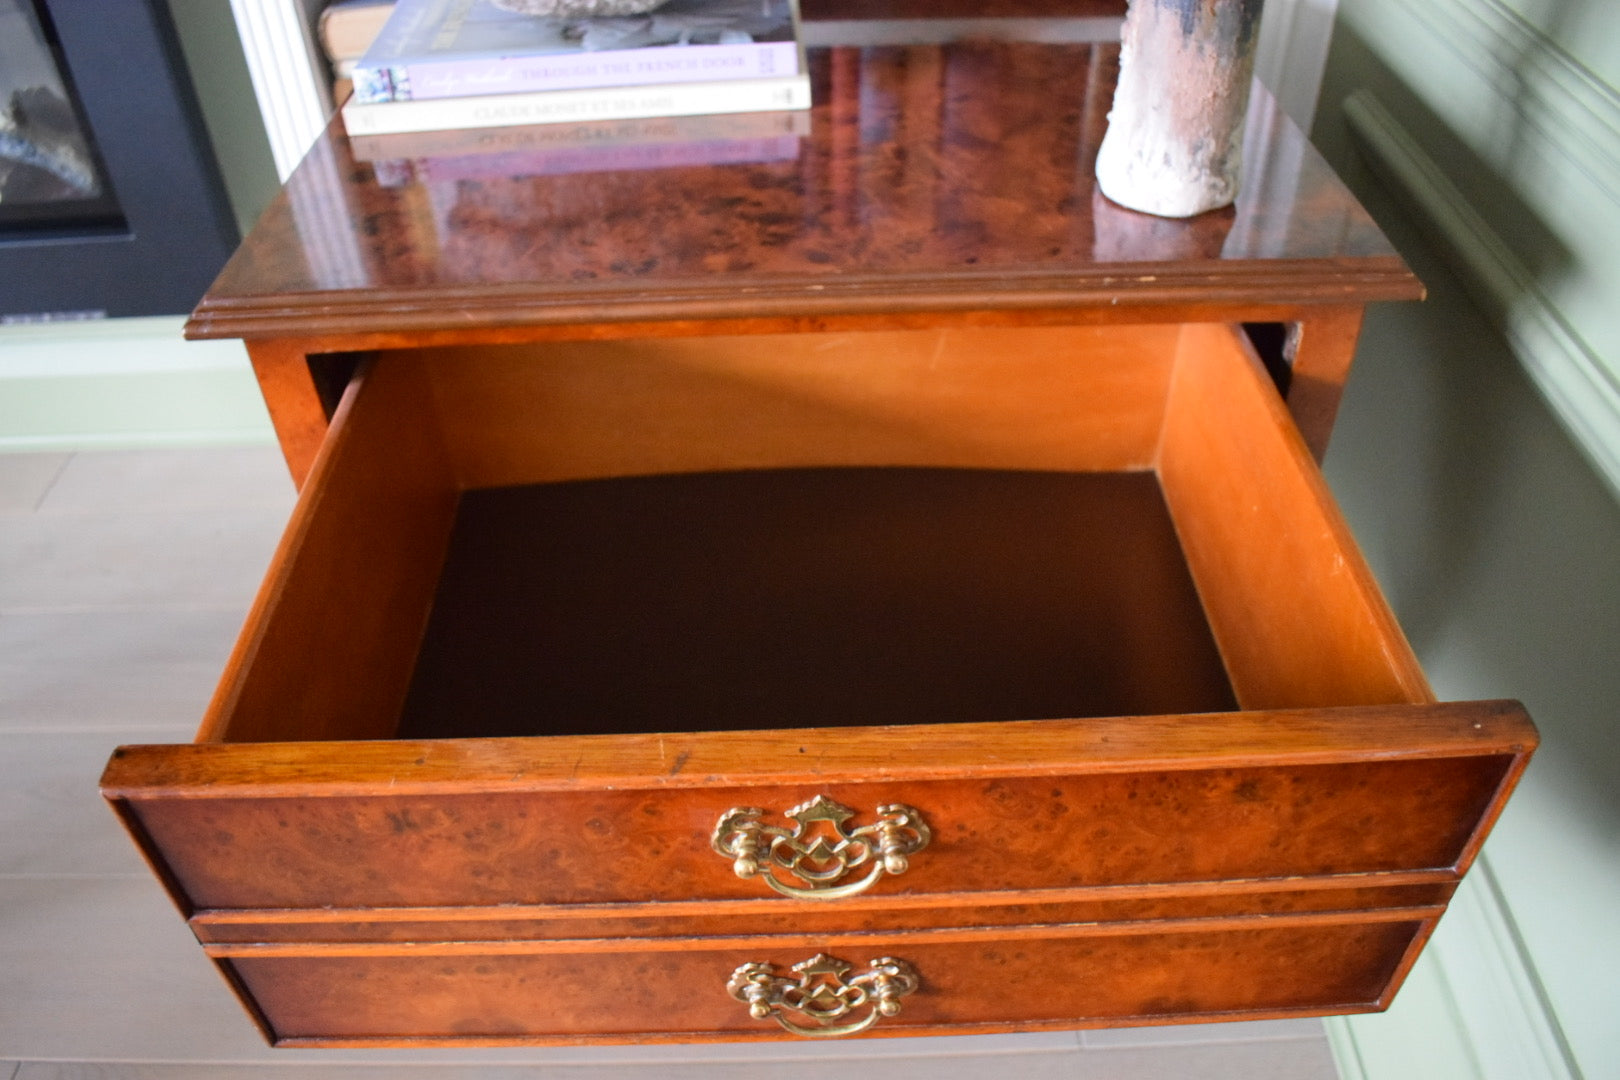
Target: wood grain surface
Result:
[[1298, 615], [379, 479], [1075, 398], [1050, 833], [969, 191], [1030, 981]]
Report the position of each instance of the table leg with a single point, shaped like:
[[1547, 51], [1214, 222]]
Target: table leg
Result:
[[295, 406], [1323, 348]]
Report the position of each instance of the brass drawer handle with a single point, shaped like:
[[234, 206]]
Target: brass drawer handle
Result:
[[822, 995], [819, 851]]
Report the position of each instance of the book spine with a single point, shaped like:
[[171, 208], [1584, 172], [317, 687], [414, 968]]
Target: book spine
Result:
[[427, 79], [549, 137], [566, 106]]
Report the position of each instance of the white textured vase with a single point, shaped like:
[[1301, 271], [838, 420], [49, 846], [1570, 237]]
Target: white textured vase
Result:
[[1174, 145]]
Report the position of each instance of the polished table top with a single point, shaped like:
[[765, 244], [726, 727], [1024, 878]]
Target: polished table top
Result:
[[942, 176]]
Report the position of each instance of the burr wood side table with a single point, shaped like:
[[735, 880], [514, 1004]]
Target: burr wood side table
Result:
[[880, 589]]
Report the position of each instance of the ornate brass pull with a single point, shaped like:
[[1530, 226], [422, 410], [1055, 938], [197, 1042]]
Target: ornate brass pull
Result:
[[819, 852], [822, 995]]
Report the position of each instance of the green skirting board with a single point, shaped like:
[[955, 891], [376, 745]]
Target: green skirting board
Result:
[[124, 383]]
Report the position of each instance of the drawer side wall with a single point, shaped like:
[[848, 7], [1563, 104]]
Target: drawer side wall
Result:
[[328, 647], [1297, 615]]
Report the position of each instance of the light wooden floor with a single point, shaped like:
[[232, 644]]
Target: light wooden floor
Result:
[[123, 578]]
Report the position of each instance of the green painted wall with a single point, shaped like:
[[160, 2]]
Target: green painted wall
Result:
[[124, 383], [1524, 109], [1517, 102], [1498, 544], [219, 73]]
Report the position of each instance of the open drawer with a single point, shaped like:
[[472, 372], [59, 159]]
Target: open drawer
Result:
[[590, 674]]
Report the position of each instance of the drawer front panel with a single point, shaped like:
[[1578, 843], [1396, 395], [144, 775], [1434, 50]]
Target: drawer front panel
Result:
[[1034, 981], [1010, 833]]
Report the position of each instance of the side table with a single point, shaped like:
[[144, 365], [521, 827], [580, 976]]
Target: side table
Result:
[[874, 589]]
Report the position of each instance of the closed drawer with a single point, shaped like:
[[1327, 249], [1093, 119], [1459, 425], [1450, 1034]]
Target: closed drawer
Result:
[[1074, 599], [961, 981]]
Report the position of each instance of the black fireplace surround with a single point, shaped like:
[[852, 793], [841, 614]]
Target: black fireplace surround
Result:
[[157, 243]]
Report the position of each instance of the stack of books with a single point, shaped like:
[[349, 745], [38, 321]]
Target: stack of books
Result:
[[443, 65]]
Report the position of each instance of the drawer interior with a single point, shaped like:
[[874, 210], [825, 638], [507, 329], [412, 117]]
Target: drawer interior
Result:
[[811, 598], [818, 530]]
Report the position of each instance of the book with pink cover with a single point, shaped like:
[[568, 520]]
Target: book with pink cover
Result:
[[563, 149], [470, 142], [435, 49], [595, 159]]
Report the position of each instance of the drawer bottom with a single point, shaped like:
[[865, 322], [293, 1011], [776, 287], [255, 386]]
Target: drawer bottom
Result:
[[817, 597]]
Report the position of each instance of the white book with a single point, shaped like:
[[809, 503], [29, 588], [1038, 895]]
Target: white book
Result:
[[571, 106], [458, 48]]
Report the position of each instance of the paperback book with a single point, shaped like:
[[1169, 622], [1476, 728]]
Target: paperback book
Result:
[[437, 49], [545, 138], [563, 149], [348, 27], [596, 159], [569, 106]]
